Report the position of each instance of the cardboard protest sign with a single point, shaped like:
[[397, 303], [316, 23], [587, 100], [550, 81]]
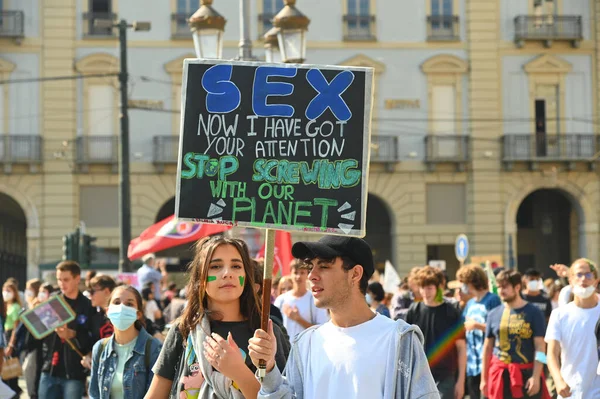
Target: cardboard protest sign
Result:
[[283, 147], [42, 320]]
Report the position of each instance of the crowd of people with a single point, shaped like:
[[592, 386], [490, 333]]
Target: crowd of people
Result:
[[333, 330]]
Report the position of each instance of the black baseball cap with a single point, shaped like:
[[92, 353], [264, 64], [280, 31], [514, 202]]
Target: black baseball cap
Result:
[[329, 247]]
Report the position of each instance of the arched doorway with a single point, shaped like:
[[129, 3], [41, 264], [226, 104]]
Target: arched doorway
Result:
[[548, 230], [13, 241], [379, 231]]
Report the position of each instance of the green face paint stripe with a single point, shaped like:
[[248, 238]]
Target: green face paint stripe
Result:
[[211, 278], [242, 281]]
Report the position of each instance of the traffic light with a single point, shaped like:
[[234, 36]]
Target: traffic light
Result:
[[87, 250], [70, 247]]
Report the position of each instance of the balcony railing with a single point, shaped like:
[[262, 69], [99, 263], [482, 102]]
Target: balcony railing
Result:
[[384, 149], [179, 26], [24, 149], [165, 150], [443, 28], [359, 27], [548, 28], [12, 24], [544, 148], [97, 150], [447, 149], [89, 28]]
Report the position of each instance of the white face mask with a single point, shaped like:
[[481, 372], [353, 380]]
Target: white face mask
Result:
[[29, 294], [583, 292], [42, 296], [464, 288], [535, 285], [7, 296]]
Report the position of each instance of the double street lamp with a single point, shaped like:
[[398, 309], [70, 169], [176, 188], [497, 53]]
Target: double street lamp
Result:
[[285, 42]]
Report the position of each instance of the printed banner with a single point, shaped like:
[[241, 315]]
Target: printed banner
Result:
[[275, 146]]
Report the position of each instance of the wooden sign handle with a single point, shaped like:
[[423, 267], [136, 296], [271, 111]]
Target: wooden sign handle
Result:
[[266, 291]]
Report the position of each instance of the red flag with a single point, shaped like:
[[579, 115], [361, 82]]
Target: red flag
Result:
[[170, 233], [283, 253]]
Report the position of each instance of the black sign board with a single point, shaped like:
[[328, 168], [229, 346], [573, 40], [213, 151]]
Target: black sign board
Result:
[[276, 146]]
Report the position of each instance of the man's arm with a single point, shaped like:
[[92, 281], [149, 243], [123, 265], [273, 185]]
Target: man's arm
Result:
[[533, 385], [422, 384], [263, 346], [471, 324], [488, 348], [459, 387], [553, 359], [461, 349]]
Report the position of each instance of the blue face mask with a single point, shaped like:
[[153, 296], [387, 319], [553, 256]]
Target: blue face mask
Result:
[[368, 298], [122, 317]]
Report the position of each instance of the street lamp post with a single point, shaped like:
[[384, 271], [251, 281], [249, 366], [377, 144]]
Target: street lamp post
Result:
[[272, 52], [288, 37], [291, 36], [124, 183], [207, 31]]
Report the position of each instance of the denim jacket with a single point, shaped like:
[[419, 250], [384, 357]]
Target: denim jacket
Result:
[[136, 377]]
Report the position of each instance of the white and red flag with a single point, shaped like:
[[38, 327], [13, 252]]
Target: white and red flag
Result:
[[170, 233]]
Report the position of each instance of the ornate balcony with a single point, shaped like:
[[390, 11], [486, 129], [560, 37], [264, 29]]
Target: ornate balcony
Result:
[[443, 28], [12, 24], [179, 26], [444, 148], [96, 150], [20, 149], [384, 150], [548, 28], [165, 151], [359, 28], [533, 149], [90, 30]]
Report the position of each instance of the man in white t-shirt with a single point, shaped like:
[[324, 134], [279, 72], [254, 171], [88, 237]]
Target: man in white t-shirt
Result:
[[572, 348], [297, 306], [358, 353]]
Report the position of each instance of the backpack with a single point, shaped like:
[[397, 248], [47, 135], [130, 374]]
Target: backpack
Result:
[[146, 353]]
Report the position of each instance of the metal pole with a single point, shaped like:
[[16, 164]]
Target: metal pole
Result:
[[124, 188], [245, 52]]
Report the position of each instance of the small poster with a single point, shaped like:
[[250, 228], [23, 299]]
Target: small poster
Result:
[[42, 320]]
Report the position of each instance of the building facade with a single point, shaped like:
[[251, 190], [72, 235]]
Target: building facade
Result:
[[484, 122]]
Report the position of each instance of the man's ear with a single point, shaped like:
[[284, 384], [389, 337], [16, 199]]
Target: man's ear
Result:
[[356, 273]]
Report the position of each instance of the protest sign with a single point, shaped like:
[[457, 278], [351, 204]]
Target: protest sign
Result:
[[42, 320], [281, 147]]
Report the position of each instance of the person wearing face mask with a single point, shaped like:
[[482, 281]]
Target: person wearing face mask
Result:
[[44, 293], [12, 308], [572, 347], [32, 347], [374, 296], [122, 364], [532, 292]]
